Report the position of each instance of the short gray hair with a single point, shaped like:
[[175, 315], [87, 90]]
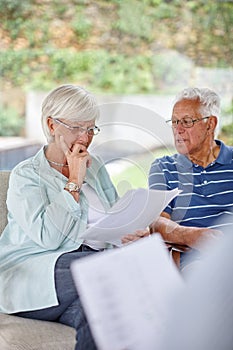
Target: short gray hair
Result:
[[209, 100], [69, 102]]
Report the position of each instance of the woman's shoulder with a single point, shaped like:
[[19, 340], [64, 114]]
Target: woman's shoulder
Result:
[[28, 165], [97, 161]]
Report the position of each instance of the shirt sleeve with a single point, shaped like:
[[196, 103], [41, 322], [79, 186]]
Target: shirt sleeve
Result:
[[158, 181], [43, 209], [157, 178]]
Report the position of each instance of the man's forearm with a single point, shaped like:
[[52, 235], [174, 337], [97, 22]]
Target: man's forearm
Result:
[[175, 233]]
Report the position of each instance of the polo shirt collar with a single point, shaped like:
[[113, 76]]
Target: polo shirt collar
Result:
[[226, 153], [225, 156], [183, 161]]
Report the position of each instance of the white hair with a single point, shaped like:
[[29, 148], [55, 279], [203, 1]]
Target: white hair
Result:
[[68, 102], [209, 100]]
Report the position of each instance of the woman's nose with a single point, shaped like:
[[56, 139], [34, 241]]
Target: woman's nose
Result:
[[83, 136]]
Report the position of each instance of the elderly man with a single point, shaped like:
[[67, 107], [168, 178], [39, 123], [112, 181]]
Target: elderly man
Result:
[[202, 169]]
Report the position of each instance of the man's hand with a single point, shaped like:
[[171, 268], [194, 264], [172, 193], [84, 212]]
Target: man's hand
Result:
[[131, 237], [183, 235]]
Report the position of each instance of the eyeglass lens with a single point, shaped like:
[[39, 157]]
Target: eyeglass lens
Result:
[[91, 131], [186, 122]]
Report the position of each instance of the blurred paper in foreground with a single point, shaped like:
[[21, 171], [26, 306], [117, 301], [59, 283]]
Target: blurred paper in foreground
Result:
[[201, 315], [126, 293]]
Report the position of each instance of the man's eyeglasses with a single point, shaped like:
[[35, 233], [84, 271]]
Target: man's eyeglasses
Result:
[[91, 131], [186, 122]]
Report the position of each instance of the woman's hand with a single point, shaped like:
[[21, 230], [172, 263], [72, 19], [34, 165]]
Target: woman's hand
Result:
[[131, 237], [78, 159]]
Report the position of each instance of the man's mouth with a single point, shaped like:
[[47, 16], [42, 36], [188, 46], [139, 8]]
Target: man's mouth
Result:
[[180, 140]]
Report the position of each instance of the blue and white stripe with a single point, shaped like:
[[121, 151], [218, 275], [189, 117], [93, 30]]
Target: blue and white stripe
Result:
[[206, 199]]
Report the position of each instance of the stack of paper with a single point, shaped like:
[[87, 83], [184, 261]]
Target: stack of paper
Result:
[[134, 211]]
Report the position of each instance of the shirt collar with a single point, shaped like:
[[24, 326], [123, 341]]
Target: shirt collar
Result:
[[226, 153], [40, 162], [225, 156]]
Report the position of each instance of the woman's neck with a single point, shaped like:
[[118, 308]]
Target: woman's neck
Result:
[[56, 159]]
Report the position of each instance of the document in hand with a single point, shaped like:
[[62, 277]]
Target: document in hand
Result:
[[134, 211], [127, 294]]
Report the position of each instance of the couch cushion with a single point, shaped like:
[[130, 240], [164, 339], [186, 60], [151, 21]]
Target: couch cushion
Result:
[[4, 179], [17, 333]]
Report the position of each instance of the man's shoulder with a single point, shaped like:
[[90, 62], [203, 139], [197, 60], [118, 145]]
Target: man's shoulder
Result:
[[226, 153], [166, 160]]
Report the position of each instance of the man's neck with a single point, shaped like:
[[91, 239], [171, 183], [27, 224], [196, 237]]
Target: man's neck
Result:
[[205, 158]]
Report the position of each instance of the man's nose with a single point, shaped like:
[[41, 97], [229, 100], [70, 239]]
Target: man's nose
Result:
[[179, 127]]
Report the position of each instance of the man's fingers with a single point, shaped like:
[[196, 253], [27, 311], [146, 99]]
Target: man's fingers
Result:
[[129, 238], [142, 233], [135, 236]]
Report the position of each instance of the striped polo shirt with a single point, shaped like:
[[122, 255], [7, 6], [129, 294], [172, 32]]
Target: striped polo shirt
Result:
[[206, 199]]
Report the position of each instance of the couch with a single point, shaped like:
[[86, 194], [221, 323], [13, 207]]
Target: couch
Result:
[[18, 333]]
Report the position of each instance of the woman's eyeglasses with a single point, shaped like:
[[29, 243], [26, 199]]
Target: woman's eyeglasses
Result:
[[91, 131]]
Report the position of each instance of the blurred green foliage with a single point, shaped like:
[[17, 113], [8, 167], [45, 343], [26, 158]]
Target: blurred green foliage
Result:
[[100, 69], [111, 45], [15, 8], [226, 133], [11, 124], [136, 174], [137, 23], [81, 25]]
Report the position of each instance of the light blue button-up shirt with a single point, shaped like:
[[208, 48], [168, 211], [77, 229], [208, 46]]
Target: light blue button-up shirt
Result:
[[44, 221]]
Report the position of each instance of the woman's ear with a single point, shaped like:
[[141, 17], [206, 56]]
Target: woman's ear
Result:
[[50, 123]]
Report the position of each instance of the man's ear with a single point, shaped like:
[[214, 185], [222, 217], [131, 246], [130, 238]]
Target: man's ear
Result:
[[212, 123]]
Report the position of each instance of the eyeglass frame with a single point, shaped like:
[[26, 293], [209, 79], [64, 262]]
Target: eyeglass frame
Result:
[[174, 123], [93, 128]]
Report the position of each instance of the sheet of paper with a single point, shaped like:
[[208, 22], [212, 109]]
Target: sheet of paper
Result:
[[134, 211], [126, 293]]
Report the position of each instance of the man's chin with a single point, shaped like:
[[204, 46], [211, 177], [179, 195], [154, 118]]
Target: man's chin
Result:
[[181, 148]]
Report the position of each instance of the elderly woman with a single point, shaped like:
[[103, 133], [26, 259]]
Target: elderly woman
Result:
[[52, 197]]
